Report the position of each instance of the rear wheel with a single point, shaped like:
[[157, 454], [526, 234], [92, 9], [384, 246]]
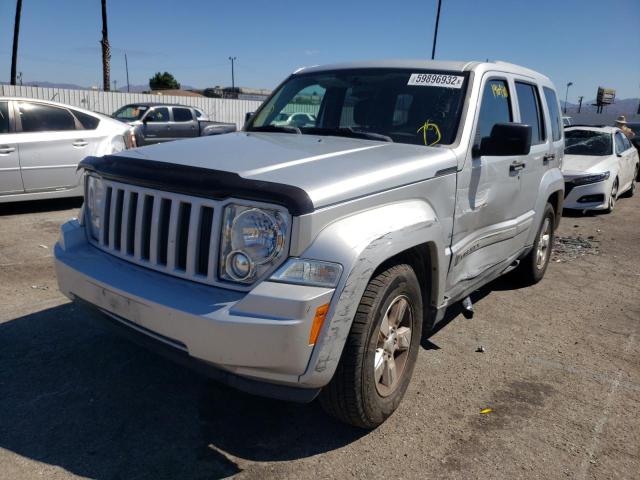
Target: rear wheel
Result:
[[613, 196], [632, 190], [380, 353], [533, 267]]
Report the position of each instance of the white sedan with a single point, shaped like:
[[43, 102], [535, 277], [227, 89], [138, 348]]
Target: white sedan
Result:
[[295, 120], [600, 164], [42, 142]]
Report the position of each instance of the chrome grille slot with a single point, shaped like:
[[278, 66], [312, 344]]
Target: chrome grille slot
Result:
[[171, 233]]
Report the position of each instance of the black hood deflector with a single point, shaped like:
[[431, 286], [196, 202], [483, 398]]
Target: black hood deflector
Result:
[[197, 181]]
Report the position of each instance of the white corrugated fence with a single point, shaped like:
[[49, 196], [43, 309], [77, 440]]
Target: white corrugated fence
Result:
[[218, 109]]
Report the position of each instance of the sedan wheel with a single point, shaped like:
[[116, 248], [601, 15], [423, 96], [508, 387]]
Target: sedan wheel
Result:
[[544, 243], [613, 197]]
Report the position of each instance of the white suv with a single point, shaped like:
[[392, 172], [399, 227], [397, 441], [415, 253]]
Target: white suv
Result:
[[297, 261]]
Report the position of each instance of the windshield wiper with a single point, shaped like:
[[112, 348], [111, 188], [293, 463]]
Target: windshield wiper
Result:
[[349, 132], [276, 128]]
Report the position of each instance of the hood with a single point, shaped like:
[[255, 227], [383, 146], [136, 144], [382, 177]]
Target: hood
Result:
[[328, 169], [584, 164]]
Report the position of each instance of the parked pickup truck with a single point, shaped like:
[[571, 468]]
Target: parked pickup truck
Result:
[[160, 122], [301, 261]]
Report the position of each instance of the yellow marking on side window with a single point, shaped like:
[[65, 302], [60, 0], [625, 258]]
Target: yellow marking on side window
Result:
[[499, 90], [429, 125]]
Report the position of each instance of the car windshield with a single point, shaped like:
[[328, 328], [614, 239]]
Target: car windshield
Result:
[[587, 142], [404, 106], [130, 112]]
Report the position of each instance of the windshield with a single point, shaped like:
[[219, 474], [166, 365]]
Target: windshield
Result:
[[587, 142], [130, 112], [403, 106]]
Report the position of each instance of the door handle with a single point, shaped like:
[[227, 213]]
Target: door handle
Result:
[[515, 166], [6, 150], [80, 143], [548, 157]]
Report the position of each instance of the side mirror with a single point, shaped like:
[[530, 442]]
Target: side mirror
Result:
[[248, 116], [145, 120], [506, 139]]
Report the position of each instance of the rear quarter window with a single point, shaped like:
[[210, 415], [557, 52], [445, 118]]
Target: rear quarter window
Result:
[[88, 122], [554, 113], [531, 111]]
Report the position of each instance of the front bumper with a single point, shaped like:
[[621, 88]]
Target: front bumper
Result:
[[261, 335], [592, 196]]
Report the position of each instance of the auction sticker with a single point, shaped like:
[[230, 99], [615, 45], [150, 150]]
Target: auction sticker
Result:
[[436, 80]]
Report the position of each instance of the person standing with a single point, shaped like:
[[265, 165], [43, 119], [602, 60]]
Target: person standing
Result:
[[621, 123]]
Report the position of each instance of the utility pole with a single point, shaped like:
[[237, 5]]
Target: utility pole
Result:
[[580, 103], [566, 97], [126, 67], [233, 80], [115, 85], [435, 32]]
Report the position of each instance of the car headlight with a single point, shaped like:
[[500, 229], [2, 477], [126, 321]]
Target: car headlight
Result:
[[301, 271], [599, 177], [253, 240], [94, 203]]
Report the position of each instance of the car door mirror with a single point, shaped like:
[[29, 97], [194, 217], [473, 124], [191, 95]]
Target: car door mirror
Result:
[[506, 139], [248, 116]]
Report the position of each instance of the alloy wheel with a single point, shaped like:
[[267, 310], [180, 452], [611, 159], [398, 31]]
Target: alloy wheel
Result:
[[544, 244]]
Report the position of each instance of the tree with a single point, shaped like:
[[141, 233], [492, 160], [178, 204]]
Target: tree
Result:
[[16, 34], [106, 50], [163, 81]]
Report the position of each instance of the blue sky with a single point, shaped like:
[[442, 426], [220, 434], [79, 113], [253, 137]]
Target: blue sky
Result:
[[588, 42]]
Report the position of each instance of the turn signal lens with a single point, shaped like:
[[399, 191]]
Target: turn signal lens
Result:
[[318, 321]]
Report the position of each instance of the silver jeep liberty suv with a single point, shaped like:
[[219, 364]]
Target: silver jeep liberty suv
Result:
[[303, 258]]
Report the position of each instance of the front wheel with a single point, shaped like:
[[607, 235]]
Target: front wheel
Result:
[[613, 196], [533, 267], [380, 353]]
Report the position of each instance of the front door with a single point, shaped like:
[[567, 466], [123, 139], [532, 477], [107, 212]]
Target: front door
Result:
[[488, 217], [50, 146], [10, 178], [155, 127]]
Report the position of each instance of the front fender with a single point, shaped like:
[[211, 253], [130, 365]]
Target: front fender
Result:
[[361, 243]]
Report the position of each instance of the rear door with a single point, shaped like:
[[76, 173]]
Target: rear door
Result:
[[50, 146], [626, 154], [184, 123], [155, 126], [530, 112], [487, 225], [10, 178]]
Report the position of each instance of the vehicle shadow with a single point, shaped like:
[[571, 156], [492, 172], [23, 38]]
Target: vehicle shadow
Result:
[[505, 282], [37, 206], [78, 396]]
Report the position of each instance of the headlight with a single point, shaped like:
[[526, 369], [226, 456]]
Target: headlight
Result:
[[308, 272], [599, 177], [253, 239], [94, 202]]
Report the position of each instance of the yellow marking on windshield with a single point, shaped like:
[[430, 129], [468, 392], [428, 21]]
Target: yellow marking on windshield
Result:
[[429, 125]]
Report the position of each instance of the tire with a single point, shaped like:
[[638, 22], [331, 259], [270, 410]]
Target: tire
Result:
[[359, 393], [613, 196], [533, 267], [632, 190]]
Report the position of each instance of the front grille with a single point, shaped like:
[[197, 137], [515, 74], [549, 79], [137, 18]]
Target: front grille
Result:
[[172, 233]]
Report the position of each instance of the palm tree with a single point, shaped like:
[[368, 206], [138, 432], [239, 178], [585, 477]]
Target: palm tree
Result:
[[106, 51], [16, 34]]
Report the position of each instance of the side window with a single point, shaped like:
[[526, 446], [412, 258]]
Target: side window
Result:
[[4, 117], [182, 115], [37, 117], [157, 115], [198, 113], [530, 111], [619, 143], [627, 142], [88, 122], [495, 107], [556, 119]]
